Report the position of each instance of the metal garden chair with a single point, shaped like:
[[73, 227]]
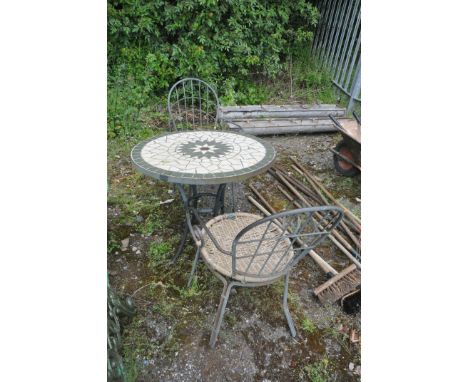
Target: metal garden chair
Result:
[[194, 105], [244, 249]]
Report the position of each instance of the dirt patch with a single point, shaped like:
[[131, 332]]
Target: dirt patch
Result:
[[168, 338]]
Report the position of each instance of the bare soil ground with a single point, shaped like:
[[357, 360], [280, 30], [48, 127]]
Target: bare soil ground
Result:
[[167, 340]]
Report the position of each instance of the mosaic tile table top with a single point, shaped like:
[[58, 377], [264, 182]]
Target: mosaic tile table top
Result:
[[203, 157]]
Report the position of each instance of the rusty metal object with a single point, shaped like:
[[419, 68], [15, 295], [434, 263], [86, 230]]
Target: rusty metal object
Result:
[[346, 159], [347, 153]]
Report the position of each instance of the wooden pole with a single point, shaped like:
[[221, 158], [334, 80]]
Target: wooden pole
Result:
[[312, 179], [335, 237], [327, 268]]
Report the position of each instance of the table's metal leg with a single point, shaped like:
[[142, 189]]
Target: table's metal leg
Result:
[[233, 199], [182, 243], [183, 240], [222, 205], [193, 194], [192, 197], [194, 267], [219, 201]]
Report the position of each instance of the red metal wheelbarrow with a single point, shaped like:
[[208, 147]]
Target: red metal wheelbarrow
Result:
[[347, 153]]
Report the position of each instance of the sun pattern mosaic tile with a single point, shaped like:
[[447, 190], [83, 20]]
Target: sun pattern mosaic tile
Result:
[[202, 157]]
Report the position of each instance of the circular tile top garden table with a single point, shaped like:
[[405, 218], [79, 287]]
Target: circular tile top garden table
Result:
[[203, 157]]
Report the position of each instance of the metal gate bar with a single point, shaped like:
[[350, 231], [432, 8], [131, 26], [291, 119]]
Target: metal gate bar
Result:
[[331, 31], [337, 45], [342, 9]]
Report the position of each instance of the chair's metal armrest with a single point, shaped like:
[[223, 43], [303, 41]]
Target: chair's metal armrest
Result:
[[194, 230], [198, 236], [201, 223]]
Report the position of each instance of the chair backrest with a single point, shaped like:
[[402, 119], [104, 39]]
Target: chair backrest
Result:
[[271, 246], [192, 104]]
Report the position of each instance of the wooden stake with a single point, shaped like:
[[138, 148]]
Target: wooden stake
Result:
[[325, 201], [327, 268], [312, 179], [342, 244]]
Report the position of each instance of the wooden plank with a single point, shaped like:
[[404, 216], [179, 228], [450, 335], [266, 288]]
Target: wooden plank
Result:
[[285, 129], [234, 113], [277, 107], [283, 122], [280, 126]]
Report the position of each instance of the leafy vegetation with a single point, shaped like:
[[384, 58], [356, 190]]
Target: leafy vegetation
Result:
[[157, 252], [154, 42], [318, 371], [112, 243], [187, 293], [249, 50], [308, 325]]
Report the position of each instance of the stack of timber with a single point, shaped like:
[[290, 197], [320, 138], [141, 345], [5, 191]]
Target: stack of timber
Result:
[[303, 189], [280, 119]]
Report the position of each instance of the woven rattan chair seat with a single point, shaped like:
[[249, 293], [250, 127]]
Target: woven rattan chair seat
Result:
[[271, 257]]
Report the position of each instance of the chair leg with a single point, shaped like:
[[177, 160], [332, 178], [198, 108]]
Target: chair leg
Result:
[[182, 243], [220, 313], [194, 267], [286, 309]]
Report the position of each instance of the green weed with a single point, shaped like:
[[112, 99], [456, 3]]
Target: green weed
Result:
[[318, 371], [187, 293], [112, 244], [130, 368], [278, 287], [164, 308], [136, 345], [245, 92], [170, 345], [308, 325], [157, 253], [150, 225], [230, 319]]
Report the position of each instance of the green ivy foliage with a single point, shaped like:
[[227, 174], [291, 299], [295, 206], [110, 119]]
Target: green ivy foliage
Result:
[[152, 43]]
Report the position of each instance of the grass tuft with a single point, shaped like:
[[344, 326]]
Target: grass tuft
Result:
[[318, 371], [308, 325]]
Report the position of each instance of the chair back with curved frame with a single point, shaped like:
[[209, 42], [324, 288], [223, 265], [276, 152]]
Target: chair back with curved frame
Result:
[[263, 251], [192, 104], [270, 247]]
